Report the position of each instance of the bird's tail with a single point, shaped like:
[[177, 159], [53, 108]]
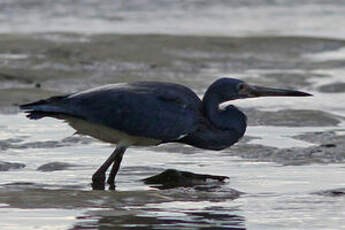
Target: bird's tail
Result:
[[42, 108]]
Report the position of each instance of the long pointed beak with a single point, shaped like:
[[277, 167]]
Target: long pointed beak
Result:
[[258, 91]]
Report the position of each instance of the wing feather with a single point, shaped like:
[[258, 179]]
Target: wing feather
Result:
[[161, 111]]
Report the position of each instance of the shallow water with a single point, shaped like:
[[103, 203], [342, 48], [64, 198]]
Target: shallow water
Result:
[[275, 196], [287, 173], [230, 18]]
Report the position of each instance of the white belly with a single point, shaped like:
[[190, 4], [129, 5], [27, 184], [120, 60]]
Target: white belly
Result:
[[106, 134]]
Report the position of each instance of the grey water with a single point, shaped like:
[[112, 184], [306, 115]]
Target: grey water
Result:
[[286, 173], [218, 17]]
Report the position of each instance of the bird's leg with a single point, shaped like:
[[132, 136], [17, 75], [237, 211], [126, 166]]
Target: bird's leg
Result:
[[98, 177], [115, 169]]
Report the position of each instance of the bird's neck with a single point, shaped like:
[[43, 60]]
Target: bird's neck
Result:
[[230, 118], [211, 104], [220, 129]]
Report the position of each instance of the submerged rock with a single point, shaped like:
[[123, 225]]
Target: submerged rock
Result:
[[336, 87], [172, 178], [328, 148], [18, 143], [322, 138], [55, 166], [292, 118], [5, 166]]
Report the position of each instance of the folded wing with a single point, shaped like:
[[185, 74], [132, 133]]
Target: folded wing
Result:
[[160, 111]]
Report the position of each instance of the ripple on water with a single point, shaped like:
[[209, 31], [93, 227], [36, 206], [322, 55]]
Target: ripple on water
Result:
[[55, 166], [5, 166]]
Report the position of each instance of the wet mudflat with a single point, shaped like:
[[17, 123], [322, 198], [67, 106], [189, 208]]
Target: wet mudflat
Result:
[[286, 173], [268, 186]]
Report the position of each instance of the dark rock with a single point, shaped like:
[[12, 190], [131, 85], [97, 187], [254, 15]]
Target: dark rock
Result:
[[55, 166], [172, 178], [5, 166]]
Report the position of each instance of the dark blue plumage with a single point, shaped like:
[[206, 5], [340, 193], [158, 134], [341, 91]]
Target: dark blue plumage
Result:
[[143, 113], [149, 109]]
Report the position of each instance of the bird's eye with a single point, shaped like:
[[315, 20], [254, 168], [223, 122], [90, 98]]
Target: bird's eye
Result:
[[240, 87]]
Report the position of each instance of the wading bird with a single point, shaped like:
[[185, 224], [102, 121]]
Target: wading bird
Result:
[[153, 113]]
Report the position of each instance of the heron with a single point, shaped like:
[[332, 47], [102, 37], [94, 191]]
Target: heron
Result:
[[150, 113]]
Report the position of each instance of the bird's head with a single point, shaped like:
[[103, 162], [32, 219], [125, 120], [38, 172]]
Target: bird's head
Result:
[[230, 89]]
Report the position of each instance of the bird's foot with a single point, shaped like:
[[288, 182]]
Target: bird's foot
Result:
[[112, 186], [97, 186], [98, 181], [111, 182]]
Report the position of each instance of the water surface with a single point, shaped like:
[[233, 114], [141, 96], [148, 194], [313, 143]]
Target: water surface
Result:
[[287, 173]]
